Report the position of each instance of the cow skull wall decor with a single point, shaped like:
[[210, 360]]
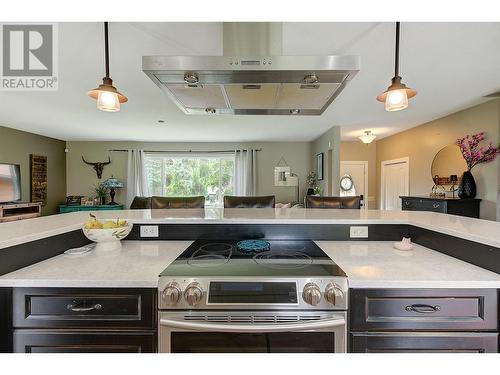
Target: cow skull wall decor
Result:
[[98, 166]]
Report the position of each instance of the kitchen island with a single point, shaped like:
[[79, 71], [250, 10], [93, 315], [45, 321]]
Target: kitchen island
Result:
[[442, 295]]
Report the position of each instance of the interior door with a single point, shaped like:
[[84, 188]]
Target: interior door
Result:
[[395, 182], [358, 170]]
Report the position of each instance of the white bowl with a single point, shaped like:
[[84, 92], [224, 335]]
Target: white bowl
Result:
[[108, 239]]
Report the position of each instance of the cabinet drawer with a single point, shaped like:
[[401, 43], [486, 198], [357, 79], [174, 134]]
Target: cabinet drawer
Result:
[[41, 341], [423, 309], [82, 308], [415, 204], [420, 342]]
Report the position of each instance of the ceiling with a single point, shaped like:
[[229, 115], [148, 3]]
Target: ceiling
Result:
[[452, 65]]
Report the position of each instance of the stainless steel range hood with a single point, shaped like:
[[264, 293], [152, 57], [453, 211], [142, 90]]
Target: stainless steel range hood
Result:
[[255, 84]]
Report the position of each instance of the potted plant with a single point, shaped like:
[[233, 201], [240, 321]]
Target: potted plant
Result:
[[101, 192], [311, 182], [473, 154]]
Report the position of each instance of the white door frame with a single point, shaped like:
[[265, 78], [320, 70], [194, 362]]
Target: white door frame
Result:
[[365, 163], [384, 163]]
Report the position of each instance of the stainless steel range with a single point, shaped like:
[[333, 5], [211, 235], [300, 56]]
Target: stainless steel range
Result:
[[253, 296]]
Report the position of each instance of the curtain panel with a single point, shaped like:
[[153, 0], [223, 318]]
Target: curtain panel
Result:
[[137, 182]]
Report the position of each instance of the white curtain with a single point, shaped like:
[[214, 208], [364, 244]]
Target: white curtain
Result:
[[245, 172], [137, 182]]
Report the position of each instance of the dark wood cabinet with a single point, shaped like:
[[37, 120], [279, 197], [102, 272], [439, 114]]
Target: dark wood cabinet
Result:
[[452, 206], [424, 342], [424, 309], [94, 320], [423, 320], [125, 308], [77, 341], [5, 320]]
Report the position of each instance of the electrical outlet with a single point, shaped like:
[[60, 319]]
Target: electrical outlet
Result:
[[149, 231], [358, 232]]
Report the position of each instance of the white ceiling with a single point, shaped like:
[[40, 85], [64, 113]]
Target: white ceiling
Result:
[[452, 65]]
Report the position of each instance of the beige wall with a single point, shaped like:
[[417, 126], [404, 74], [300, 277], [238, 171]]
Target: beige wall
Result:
[[16, 147], [358, 151], [329, 144], [81, 177], [422, 143]]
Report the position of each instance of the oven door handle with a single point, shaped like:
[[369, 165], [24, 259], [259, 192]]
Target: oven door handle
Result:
[[252, 327]]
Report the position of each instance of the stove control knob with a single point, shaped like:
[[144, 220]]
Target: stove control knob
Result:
[[311, 294], [334, 294], [193, 294], [172, 293]]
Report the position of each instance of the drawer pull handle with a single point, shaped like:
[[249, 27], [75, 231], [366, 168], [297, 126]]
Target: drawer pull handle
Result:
[[80, 307], [423, 309]]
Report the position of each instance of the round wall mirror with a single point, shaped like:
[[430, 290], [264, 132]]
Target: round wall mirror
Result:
[[448, 161]]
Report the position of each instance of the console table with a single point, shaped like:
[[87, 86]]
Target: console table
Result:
[[452, 206], [63, 208]]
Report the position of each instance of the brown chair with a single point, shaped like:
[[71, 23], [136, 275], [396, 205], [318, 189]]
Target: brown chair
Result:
[[266, 201], [177, 202], [313, 201], [141, 203]]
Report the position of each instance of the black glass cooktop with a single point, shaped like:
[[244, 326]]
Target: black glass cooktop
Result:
[[280, 259]]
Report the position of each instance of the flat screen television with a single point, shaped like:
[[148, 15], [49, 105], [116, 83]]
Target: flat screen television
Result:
[[10, 183]]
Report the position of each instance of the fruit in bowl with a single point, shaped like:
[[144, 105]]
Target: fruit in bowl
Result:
[[106, 233]]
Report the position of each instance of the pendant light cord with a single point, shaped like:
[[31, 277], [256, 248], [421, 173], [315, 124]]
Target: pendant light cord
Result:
[[396, 60], [106, 48]]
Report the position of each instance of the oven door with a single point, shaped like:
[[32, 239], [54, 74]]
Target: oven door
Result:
[[252, 332]]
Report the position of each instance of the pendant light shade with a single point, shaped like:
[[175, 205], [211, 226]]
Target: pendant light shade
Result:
[[397, 94], [367, 137], [108, 98]]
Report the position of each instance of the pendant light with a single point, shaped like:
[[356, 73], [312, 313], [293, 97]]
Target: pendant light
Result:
[[367, 137], [107, 96], [397, 94]]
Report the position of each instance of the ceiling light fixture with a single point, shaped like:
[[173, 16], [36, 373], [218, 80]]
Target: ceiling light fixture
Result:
[[107, 96], [397, 94], [367, 137]]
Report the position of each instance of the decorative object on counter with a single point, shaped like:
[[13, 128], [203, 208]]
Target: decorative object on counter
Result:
[[74, 200], [78, 251], [473, 154], [38, 172], [317, 191], [101, 192], [113, 183], [108, 98], [311, 182], [453, 180], [98, 166], [397, 94], [106, 233], [253, 246], [405, 244], [434, 191], [367, 137], [320, 166]]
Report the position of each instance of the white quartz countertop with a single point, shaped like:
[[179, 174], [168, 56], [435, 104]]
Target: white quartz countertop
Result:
[[136, 265], [378, 265], [482, 231], [367, 265]]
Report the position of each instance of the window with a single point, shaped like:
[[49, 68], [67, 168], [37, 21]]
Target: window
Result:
[[182, 176]]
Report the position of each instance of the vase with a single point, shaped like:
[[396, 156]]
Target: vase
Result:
[[102, 201], [467, 186]]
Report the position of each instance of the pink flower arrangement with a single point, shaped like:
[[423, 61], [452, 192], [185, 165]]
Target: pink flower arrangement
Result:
[[475, 154]]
